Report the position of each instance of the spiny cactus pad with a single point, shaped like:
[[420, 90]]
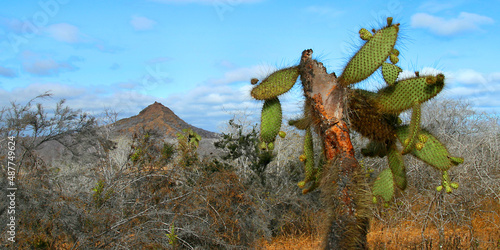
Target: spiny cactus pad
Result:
[[270, 120], [390, 72], [312, 174], [405, 93], [411, 140], [396, 164], [276, 84], [309, 153], [384, 185], [369, 58], [433, 152], [316, 177]]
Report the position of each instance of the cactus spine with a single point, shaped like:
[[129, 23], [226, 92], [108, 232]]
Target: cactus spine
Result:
[[384, 185], [276, 84], [433, 151], [270, 120], [397, 167], [373, 53], [390, 72], [412, 138], [403, 94], [310, 171]]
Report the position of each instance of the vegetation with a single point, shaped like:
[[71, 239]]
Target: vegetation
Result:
[[145, 192], [221, 202]]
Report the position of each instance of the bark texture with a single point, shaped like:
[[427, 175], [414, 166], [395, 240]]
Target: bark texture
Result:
[[343, 186]]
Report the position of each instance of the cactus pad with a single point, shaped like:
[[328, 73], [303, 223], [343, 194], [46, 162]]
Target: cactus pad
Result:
[[276, 84], [396, 164], [369, 58], [390, 72], [384, 185], [309, 153], [270, 120], [312, 174], [404, 94], [433, 152], [414, 128]]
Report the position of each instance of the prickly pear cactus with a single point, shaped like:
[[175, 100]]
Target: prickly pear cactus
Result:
[[374, 115], [311, 171], [276, 84], [270, 120], [375, 51]]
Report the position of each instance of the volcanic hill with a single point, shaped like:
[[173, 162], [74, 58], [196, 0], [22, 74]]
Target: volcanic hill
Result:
[[160, 118]]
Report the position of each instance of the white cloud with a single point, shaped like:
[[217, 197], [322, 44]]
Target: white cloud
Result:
[[127, 103], [44, 65], [20, 27], [465, 22], [47, 67], [469, 76], [6, 72], [245, 74], [209, 105], [482, 89], [65, 32], [23, 95], [217, 100], [142, 23], [424, 71]]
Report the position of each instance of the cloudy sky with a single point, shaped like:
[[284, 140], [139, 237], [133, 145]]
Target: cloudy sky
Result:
[[197, 56]]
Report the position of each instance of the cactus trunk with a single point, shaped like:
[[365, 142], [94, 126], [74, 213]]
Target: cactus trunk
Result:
[[342, 184]]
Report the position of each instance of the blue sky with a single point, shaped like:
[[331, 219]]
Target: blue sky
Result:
[[197, 56]]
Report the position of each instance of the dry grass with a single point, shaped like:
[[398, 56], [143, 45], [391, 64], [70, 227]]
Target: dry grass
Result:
[[482, 233], [304, 242]]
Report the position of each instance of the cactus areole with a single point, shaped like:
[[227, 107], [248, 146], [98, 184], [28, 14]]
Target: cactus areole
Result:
[[333, 107]]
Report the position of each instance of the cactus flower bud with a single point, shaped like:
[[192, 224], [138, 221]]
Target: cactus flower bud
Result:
[[282, 134]]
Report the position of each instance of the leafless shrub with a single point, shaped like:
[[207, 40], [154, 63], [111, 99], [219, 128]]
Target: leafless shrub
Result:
[[140, 195], [475, 137]]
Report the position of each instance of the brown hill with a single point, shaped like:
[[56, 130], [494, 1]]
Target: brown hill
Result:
[[160, 118]]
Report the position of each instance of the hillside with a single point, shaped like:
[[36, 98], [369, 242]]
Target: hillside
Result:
[[160, 118]]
